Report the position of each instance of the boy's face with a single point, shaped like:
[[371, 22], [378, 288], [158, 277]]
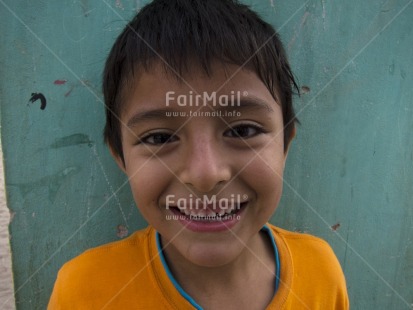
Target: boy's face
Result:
[[191, 167]]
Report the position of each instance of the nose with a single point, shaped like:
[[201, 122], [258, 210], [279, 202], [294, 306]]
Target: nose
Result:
[[205, 165]]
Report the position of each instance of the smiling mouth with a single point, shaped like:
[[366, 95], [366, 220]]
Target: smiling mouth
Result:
[[208, 215]]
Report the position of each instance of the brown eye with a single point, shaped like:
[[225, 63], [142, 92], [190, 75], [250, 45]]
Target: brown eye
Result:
[[158, 138], [243, 131]]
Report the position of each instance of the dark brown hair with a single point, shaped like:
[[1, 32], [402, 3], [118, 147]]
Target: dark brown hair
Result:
[[201, 31]]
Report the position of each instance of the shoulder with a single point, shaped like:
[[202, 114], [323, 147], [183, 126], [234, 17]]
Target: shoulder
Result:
[[307, 244], [110, 253], [316, 274], [101, 271], [308, 251]]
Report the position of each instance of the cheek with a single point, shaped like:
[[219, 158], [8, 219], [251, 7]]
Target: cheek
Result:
[[265, 176], [147, 181], [266, 180]]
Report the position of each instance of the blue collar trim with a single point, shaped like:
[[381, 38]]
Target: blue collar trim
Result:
[[276, 255], [172, 278]]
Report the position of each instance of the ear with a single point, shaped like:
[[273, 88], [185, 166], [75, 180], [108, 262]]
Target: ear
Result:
[[291, 138], [118, 159]]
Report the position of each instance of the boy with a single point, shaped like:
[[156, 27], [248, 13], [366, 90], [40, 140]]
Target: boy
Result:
[[199, 117]]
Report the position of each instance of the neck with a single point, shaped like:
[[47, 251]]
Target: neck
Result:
[[251, 273]]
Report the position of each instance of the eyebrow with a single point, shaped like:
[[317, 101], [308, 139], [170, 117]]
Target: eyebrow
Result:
[[247, 103]]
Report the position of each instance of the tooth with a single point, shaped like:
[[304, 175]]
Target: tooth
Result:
[[194, 214], [211, 213], [202, 212], [221, 212], [186, 211]]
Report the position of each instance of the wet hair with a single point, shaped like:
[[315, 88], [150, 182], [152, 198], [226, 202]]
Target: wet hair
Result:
[[178, 33]]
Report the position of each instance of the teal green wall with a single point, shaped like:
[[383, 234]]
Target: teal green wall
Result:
[[349, 176]]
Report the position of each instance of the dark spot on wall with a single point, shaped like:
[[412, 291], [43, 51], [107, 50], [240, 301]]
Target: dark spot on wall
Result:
[[81, 83], [69, 91], [75, 139], [335, 227], [84, 5], [52, 182], [59, 82], [305, 89], [38, 96]]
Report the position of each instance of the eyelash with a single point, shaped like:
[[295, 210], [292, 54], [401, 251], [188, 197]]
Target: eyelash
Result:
[[168, 138], [258, 130]]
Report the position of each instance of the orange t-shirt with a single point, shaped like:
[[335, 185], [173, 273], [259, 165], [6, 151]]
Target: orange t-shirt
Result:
[[129, 274]]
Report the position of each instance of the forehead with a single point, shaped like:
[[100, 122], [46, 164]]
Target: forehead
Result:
[[153, 85]]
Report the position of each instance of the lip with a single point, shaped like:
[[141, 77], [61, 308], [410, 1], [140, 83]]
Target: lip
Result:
[[210, 226]]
